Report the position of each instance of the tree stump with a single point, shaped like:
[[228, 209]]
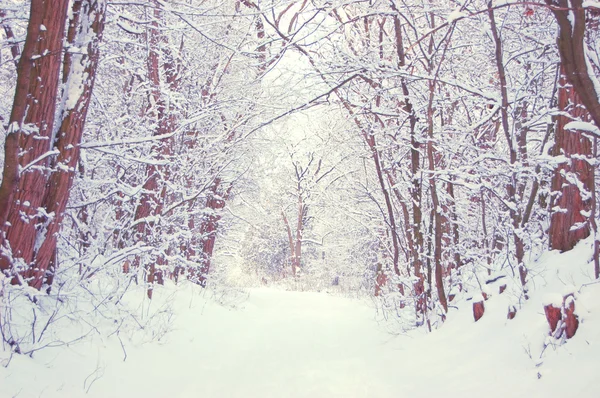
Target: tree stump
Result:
[[478, 310], [512, 312], [571, 321], [501, 289], [553, 316], [566, 314]]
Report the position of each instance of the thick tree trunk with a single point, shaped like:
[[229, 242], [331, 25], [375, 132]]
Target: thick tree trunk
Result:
[[30, 136], [89, 16], [572, 206], [571, 18], [568, 224]]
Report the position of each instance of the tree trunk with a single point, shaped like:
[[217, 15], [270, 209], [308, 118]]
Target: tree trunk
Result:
[[208, 230], [89, 17], [405, 214], [571, 207], [441, 221], [295, 243], [30, 135], [290, 242], [571, 18], [415, 191], [154, 194], [299, 230], [391, 221], [511, 188], [455, 231], [593, 218]]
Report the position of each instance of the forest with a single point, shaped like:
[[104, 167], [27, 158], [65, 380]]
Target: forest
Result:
[[353, 198]]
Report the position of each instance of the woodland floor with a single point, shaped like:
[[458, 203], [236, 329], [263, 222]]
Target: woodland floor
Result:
[[290, 344]]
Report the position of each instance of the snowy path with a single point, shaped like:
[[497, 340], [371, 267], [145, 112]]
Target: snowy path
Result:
[[281, 344], [287, 344]]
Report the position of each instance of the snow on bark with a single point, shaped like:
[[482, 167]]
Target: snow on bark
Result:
[[80, 70], [34, 105], [572, 181], [561, 316]]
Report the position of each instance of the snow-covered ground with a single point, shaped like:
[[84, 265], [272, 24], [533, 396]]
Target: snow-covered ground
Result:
[[278, 343]]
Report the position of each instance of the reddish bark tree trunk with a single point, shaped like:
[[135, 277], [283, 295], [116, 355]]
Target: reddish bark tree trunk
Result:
[[151, 199], [573, 22], [89, 16], [569, 222], [571, 18], [30, 131]]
